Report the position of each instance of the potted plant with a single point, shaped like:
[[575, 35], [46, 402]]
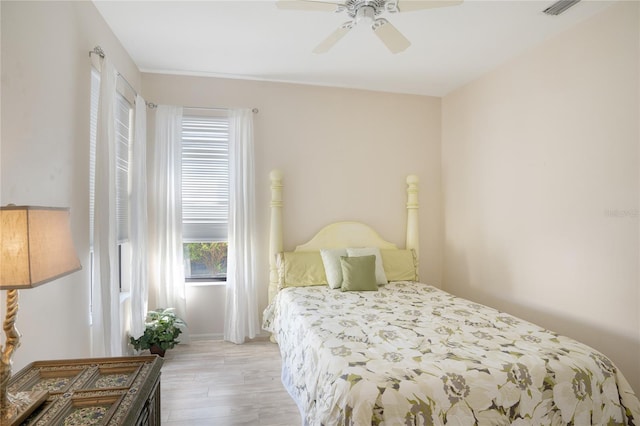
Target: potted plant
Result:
[[162, 328]]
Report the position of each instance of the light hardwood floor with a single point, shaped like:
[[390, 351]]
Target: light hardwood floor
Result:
[[217, 383]]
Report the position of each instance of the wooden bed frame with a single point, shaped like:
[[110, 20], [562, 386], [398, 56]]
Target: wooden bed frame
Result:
[[336, 235]]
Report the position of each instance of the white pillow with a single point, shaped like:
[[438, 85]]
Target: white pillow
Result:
[[332, 268], [381, 277]]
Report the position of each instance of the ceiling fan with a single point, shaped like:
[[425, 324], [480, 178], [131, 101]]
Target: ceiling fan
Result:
[[366, 12]]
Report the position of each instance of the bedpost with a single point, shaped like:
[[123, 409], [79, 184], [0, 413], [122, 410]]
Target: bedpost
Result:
[[275, 232], [412, 214]]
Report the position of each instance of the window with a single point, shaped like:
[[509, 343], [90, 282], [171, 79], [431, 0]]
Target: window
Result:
[[123, 125], [205, 195], [124, 136], [93, 131]]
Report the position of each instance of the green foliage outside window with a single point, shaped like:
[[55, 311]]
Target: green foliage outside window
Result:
[[206, 260]]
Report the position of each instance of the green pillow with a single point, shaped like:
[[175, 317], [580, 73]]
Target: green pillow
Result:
[[359, 273]]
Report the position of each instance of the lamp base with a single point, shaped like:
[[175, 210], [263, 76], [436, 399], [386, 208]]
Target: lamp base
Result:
[[21, 404]]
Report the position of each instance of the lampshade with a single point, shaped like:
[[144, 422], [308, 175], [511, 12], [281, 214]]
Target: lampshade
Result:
[[36, 246]]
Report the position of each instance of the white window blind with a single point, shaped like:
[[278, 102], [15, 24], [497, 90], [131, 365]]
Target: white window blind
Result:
[[93, 130], [205, 178], [123, 130]]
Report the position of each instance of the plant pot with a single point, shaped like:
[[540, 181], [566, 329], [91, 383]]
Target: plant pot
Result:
[[157, 350]]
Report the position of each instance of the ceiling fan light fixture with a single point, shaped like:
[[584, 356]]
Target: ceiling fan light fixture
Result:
[[365, 13]]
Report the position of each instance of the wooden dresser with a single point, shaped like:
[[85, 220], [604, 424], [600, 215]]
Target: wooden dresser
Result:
[[94, 391]]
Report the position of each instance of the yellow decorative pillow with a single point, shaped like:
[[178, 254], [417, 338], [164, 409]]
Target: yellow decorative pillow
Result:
[[301, 269], [400, 265]]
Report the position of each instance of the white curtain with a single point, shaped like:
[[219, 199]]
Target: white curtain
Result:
[[167, 279], [105, 331], [241, 316], [139, 221]]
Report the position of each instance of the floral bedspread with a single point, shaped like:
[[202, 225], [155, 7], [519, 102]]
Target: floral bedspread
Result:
[[411, 354]]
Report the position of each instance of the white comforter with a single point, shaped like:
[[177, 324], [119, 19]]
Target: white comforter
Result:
[[410, 354]]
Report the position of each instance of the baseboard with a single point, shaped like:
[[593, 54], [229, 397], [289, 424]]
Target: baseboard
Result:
[[207, 336], [219, 336]]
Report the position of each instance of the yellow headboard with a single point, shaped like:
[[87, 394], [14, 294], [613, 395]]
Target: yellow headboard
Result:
[[336, 235]]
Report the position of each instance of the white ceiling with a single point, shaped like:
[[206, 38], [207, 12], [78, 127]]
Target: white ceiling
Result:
[[255, 40]]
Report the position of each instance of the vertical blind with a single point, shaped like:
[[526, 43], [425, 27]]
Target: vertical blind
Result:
[[205, 178]]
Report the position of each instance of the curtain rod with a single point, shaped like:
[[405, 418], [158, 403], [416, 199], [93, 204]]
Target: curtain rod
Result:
[[98, 51], [152, 106]]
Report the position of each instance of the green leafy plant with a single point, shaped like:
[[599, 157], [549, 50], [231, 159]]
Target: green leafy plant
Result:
[[212, 255], [162, 328]]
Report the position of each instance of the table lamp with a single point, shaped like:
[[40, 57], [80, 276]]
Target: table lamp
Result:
[[36, 247]]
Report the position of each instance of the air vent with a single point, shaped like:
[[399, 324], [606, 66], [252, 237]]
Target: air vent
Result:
[[560, 6]]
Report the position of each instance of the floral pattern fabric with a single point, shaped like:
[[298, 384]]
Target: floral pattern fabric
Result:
[[411, 354]]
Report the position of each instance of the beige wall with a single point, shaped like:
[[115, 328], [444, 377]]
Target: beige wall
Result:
[[45, 152], [345, 155], [540, 183]]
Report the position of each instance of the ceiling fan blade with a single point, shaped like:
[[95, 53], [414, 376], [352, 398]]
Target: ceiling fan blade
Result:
[[412, 5], [333, 38], [314, 6], [390, 36]]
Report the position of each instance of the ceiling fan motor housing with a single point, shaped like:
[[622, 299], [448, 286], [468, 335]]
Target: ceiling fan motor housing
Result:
[[364, 9]]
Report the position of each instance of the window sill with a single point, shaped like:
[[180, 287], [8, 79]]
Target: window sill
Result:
[[211, 283]]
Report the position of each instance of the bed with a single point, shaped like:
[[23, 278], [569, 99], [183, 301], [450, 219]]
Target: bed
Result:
[[407, 353]]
